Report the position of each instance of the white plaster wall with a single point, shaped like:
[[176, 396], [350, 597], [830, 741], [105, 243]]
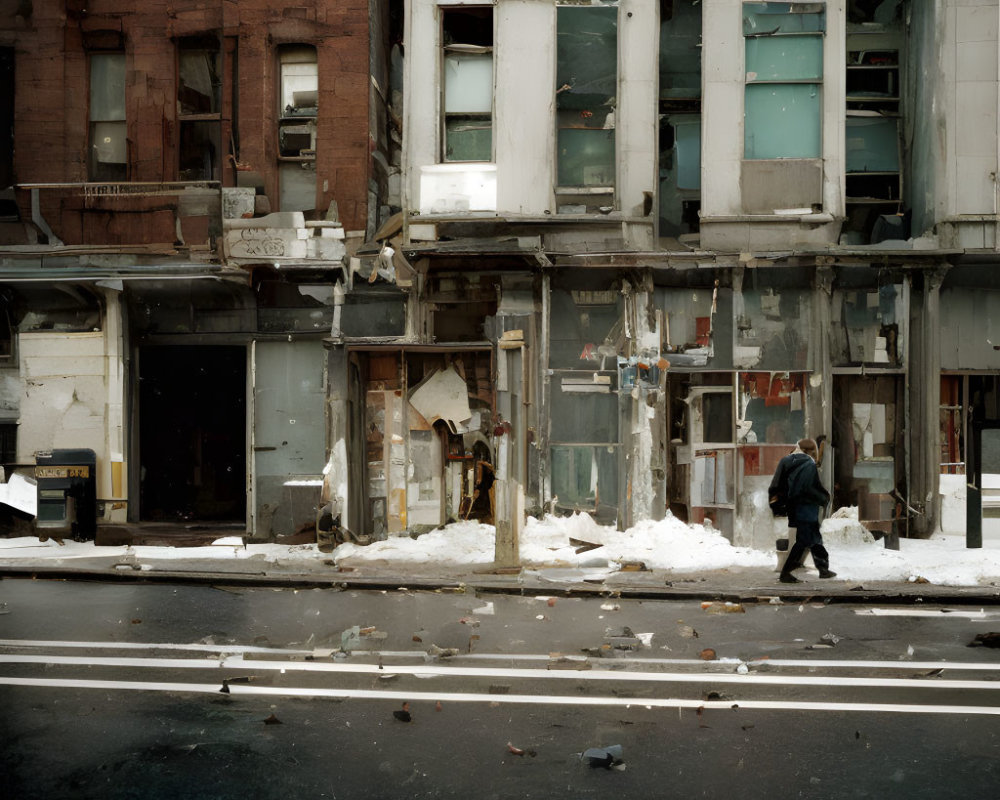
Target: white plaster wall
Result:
[[723, 76], [72, 394], [524, 104], [638, 110], [970, 78], [722, 107]]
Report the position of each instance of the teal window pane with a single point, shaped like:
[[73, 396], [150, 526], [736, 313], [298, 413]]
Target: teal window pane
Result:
[[782, 121], [468, 139], [687, 135], [784, 58], [779, 18], [586, 157], [872, 144], [586, 57]]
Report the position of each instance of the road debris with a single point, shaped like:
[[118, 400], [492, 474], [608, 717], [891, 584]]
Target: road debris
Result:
[[403, 714], [272, 720], [441, 652], [716, 607], [361, 638], [687, 632], [517, 751], [708, 654], [991, 639], [607, 757]]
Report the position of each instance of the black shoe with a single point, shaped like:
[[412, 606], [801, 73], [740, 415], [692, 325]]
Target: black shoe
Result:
[[825, 573], [787, 577]]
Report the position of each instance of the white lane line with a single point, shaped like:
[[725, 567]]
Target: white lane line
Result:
[[198, 647], [505, 699], [511, 657], [928, 612], [439, 671]]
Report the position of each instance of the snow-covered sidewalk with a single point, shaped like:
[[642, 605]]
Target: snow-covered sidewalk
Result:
[[552, 543]]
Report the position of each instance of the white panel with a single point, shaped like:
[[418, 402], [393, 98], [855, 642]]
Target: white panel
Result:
[[450, 188], [468, 83]]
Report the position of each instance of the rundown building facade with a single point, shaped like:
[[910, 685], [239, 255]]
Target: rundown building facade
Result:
[[181, 183], [627, 254]]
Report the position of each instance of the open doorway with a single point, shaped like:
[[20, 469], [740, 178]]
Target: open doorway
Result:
[[192, 433]]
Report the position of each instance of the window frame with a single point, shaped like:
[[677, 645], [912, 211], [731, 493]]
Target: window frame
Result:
[[94, 120], [190, 121], [604, 187], [755, 86], [458, 49]]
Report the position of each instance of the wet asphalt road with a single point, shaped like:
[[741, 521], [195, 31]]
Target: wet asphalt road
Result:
[[113, 691]]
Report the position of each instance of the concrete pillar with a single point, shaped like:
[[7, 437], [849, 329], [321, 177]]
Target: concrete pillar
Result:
[[924, 398], [820, 392]]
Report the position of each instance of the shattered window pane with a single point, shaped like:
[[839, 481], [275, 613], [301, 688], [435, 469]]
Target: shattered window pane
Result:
[[586, 94], [199, 74], [587, 331], [772, 407], [866, 325]]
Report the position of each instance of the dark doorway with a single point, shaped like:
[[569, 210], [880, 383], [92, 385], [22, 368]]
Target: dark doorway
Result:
[[192, 433]]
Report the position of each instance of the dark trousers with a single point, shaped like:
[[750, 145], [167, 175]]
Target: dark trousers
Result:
[[807, 538]]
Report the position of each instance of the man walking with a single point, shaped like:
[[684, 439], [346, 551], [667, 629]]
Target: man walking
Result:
[[798, 476]]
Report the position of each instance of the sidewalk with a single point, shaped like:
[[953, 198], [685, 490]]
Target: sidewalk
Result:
[[230, 562]]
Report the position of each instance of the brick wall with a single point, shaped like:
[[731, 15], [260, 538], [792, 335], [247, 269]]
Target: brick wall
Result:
[[51, 98]]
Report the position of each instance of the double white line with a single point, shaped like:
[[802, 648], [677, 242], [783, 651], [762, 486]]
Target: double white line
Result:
[[234, 658]]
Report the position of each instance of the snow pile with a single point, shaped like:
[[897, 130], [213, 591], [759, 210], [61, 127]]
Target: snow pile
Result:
[[666, 544], [843, 527], [456, 544]]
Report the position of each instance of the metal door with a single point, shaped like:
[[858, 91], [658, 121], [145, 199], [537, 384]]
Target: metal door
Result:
[[288, 434]]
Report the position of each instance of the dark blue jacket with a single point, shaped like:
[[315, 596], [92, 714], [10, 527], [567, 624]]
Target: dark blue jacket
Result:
[[798, 474]]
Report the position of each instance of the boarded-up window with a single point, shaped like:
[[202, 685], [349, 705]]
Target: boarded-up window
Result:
[[467, 38], [784, 76], [586, 94], [108, 149]]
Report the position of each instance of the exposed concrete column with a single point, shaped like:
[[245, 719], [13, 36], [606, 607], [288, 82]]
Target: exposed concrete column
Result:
[[114, 353], [819, 396], [924, 395]]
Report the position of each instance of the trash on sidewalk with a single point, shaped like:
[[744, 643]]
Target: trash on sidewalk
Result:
[[716, 607], [991, 639], [517, 751], [608, 757]]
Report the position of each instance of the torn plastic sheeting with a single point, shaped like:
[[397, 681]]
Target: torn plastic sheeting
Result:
[[444, 395]]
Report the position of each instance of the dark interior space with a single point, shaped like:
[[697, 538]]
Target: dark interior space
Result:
[[192, 433]]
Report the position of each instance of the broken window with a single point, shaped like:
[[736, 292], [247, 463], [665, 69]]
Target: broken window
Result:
[[298, 106], [866, 325], [587, 329], [467, 39], [872, 126], [680, 117], [199, 107], [586, 95], [772, 408], [784, 75], [108, 159], [773, 316]]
